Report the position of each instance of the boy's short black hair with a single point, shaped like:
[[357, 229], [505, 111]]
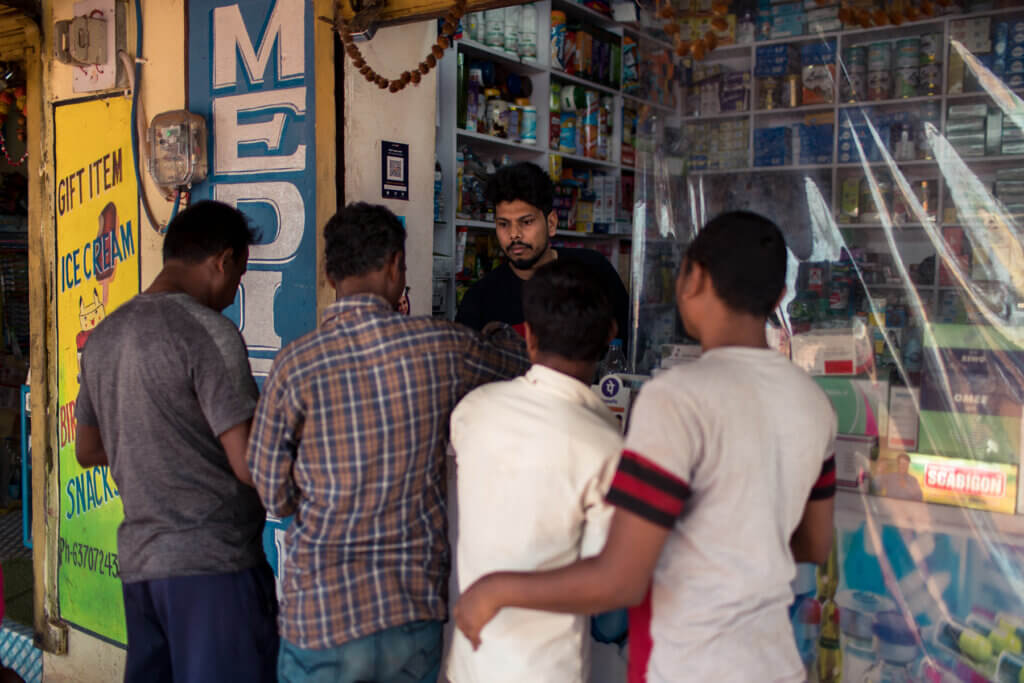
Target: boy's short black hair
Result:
[[206, 229], [360, 239], [525, 182], [745, 254], [568, 310]]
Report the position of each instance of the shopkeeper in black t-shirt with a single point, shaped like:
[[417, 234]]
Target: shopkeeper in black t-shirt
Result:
[[525, 221]]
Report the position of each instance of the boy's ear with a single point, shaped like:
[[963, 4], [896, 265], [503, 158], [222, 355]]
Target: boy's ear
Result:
[[223, 258], [395, 266], [552, 223]]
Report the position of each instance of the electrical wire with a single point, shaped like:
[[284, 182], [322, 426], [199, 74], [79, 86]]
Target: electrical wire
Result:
[[135, 79], [174, 209]]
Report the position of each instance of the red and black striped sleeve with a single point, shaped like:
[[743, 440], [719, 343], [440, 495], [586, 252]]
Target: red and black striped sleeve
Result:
[[647, 490], [825, 487]]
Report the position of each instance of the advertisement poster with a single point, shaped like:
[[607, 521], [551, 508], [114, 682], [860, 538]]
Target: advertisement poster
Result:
[[97, 271]]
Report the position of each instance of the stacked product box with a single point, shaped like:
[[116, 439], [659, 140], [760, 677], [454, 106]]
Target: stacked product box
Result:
[[965, 128], [729, 143], [1008, 53], [776, 68], [822, 18], [718, 145], [976, 36], [1009, 189], [773, 146], [814, 143], [971, 402], [850, 133], [710, 90], [818, 73], [787, 18]]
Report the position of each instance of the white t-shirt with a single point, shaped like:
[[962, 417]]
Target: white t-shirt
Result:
[[535, 457], [724, 451]]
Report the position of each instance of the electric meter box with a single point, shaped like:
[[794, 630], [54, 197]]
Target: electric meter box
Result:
[[177, 149]]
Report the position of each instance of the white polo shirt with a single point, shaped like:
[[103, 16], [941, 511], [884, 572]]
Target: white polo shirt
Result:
[[535, 457], [725, 452]]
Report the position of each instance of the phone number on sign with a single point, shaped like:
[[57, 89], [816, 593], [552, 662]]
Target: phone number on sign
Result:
[[87, 557]]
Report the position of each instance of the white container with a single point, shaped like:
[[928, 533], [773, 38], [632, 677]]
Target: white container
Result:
[[495, 27], [513, 19], [528, 32]]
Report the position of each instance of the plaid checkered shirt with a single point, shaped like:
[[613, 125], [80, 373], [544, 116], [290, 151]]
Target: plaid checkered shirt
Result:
[[349, 436]]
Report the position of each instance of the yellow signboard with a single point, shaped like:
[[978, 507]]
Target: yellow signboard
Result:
[[97, 271]]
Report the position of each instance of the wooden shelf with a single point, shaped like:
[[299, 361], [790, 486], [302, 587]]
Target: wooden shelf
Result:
[[471, 47], [572, 234], [587, 161], [571, 78], [582, 12], [891, 102], [474, 224], [791, 111], [717, 117], [653, 105], [497, 142], [642, 36]]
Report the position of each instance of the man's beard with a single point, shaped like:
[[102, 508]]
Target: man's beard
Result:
[[526, 263]]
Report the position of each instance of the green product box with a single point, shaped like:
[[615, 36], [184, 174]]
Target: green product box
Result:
[[861, 405], [988, 438]]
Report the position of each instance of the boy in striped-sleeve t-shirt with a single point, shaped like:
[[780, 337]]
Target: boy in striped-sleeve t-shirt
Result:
[[726, 480]]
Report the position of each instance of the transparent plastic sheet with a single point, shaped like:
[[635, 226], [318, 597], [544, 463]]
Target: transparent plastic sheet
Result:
[[906, 303]]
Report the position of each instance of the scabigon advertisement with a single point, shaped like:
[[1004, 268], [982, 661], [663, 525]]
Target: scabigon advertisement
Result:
[[97, 271]]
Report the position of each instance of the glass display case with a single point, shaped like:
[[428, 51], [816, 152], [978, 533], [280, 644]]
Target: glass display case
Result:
[[895, 169]]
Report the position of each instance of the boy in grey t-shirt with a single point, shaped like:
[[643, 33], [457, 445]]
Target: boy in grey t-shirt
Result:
[[171, 417]]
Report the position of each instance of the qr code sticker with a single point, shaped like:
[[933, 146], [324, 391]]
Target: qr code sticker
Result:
[[396, 169]]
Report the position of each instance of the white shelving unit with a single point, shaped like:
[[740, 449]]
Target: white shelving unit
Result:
[[450, 138], [911, 236]]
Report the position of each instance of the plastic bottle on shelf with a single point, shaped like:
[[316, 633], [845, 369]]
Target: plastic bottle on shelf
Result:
[[513, 20], [528, 32], [495, 27]]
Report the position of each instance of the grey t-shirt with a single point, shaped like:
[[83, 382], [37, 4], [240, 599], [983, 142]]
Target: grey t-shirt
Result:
[[162, 377]]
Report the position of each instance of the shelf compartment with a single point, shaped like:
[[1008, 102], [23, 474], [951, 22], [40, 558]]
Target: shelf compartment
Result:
[[576, 80], [574, 9], [485, 139], [529, 66]]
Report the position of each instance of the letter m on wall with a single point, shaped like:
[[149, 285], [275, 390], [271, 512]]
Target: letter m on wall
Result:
[[250, 72]]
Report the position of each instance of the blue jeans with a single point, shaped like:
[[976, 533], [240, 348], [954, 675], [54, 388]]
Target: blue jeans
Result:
[[410, 653]]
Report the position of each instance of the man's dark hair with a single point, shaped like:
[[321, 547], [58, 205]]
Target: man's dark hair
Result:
[[523, 182], [206, 229], [745, 254], [568, 310], [361, 238]]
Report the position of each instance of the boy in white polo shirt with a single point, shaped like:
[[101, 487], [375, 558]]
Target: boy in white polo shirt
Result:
[[535, 457], [727, 478]]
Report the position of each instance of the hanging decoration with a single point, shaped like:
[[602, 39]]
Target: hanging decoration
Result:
[[366, 18]]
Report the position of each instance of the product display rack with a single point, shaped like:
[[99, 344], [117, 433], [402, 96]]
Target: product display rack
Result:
[[450, 138], [909, 235]]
